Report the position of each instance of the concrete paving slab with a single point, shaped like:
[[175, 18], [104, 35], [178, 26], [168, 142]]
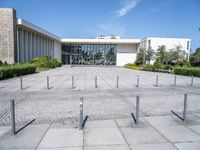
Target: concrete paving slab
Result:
[[142, 136], [68, 148], [103, 136], [178, 134], [129, 122], [195, 128], [108, 147], [28, 138], [188, 146], [162, 121], [4, 130], [190, 120], [163, 146], [101, 124], [62, 137]]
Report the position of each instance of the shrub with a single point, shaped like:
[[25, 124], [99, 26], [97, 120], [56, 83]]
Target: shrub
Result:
[[56, 63], [154, 69], [1, 63], [187, 71], [16, 70], [183, 63], [46, 62], [158, 65]]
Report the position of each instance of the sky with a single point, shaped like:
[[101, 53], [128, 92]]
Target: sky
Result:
[[126, 18]]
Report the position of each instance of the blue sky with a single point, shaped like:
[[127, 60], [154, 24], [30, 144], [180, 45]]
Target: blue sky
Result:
[[127, 18]]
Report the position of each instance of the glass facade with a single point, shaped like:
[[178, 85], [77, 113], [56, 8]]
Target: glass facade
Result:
[[89, 54]]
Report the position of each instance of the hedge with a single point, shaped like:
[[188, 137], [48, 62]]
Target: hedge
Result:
[[46, 62], [187, 71], [16, 70]]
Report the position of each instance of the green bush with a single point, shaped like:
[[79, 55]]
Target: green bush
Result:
[[187, 71], [16, 70], [183, 63], [56, 63], [154, 68], [46, 62]]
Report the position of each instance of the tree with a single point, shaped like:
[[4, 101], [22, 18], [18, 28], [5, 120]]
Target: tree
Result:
[[140, 58], [162, 56], [149, 55], [176, 55], [195, 58]]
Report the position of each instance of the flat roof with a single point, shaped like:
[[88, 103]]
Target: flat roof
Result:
[[102, 41], [167, 38], [31, 26]]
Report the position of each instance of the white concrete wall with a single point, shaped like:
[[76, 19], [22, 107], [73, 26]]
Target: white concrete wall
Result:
[[170, 43], [125, 58], [126, 53]]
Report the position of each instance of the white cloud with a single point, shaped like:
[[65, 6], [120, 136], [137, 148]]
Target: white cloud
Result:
[[131, 4]]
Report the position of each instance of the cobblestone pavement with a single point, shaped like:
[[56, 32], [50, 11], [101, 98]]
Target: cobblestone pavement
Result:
[[60, 103]]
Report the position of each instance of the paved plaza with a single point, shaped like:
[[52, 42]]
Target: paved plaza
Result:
[[109, 108]]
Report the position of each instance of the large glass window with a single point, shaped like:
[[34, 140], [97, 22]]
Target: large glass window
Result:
[[89, 54]]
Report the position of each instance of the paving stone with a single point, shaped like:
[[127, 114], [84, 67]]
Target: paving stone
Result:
[[43, 104], [188, 146], [129, 122], [108, 147], [162, 121], [195, 128], [142, 136], [28, 138], [103, 136], [101, 124], [178, 134], [190, 120], [68, 148], [161, 146], [4, 130], [62, 137]]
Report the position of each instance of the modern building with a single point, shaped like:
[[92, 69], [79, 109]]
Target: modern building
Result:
[[21, 41], [169, 43]]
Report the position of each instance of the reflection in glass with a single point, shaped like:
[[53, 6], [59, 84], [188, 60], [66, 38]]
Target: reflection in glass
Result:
[[89, 54]]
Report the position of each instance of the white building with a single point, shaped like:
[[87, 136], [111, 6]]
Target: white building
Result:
[[21, 41], [169, 43]]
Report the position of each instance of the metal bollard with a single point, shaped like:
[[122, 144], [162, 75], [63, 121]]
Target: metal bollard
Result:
[[96, 82], [21, 83], [192, 79], [175, 80], [185, 107], [81, 113], [12, 104], [117, 82], [47, 82], [72, 81], [157, 81], [138, 81], [137, 109]]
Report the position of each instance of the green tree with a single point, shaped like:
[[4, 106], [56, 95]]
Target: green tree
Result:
[[162, 56], [149, 55], [195, 58], [176, 55], [140, 58]]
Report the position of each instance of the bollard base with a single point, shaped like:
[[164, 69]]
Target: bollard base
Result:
[[83, 123], [24, 126], [177, 115]]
